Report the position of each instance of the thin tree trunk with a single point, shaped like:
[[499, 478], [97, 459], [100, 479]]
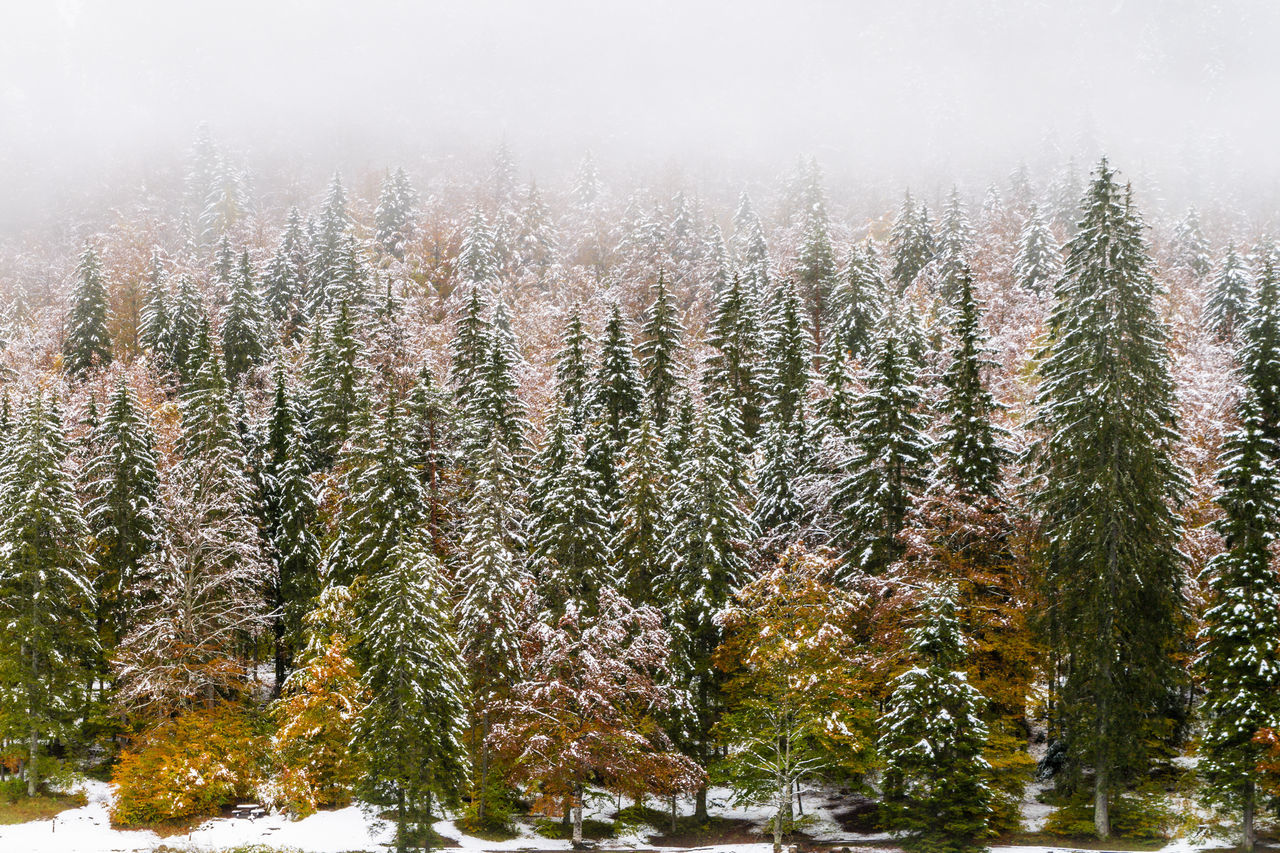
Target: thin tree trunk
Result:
[[673, 814], [33, 761], [1248, 834], [483, 794], [577, 818], [401, 846], [1101, 802]]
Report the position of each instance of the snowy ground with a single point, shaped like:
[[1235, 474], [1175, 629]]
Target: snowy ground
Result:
[[88, 830]]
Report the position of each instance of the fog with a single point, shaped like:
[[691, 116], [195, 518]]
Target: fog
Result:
[[1180, 89]]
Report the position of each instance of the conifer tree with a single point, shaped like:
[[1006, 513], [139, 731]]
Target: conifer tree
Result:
[[244, 323], [1227, 307], [750, 250], [334, 269], [887, 468], [733, 371], [122, 486], [573, 371], [836, 409], [46, 598], [1190, 248], [856, 299], [494, 407], [955, 243], [816, 266], [788, 355], [88, 343], [1108, 482], [393, 217], [284, 287], [1039, 262], [641, 516], [409, 736], [538, 243], [153, 330], [970, 448], [432, 435], [185, 322], [337, 392], [933, 739], [1240, 641], [469, 345], [911, 243], [660, 350], [618, 399], [477, 257], [1260, 352]]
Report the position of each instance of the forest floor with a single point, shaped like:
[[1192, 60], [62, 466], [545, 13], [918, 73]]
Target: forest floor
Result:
[[83, 826]]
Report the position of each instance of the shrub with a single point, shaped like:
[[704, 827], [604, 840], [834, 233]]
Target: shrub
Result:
[[1138, 815], [189, 766]]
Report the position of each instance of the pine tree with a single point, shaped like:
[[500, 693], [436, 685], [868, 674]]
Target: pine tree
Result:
[[477, 257], [970, 448], [1190, 248], [816, 265], [886, 470], [244, 323], [334, 268], [732, 371], [409, 736], [153, 330], [1240, 641], [337, 392], [573, 371], [706, 561], [955, 244], [750, 250], [469, 345], [538, 242], [660, 351], [617, 401], [494, 407], [569, 540], [393, 217], [1260, 350], [1227, 307], [641, 516], [185, 322], [933, 739], [1107, 486], [88, 343], [46, 598], [1039, 262], [122, 487], [856, 299], [911, 242], [432, 434]]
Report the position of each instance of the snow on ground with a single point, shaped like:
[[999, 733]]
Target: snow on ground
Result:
[[88, 830]]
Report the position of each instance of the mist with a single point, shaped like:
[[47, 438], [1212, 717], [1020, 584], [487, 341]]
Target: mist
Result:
[[1181, 93]]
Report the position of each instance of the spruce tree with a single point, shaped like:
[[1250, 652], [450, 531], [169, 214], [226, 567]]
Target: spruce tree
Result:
[[660, 351], [477, 257], [573, 371], [733, 372], [641, 516], [955, 244], [244, 323], [1106, 489], [750, 250], [334, 268], [153, 330], [617, 400], [185, 322], [911, 243], [1039, 261], [88, 343], [393, 217], [409, 736], [933, 737], [816, 266], [891, 451], [1190, 248], [122, 487], [788, 356], [1240, 641], [336, 382], [432, 434], [46, 598], [970, 447], [1227, 307], [494, 408], [284, 288], [1260, 352], [538, 243], [470, 343], [856, 300]]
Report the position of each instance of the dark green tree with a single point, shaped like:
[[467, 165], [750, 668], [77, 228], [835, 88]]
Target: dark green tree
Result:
[[88, 343]]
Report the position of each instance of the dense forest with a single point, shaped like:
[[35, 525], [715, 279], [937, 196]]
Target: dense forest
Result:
[[467, 495]]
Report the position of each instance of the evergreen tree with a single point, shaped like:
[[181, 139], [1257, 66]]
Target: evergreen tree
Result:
[[477, 257], [886, 470], [788, 355], [641, 516], [1039, 262], [856, 299], [660, 351], [816, 265], [538, 242], [1107, 486], [334, 269], [185, 323], [469, 344], [46, 599], [337, 393], [970, 447], [153, 330], [573, 371], [494, 407], [618, 400], [409, 736], [1260, 352], [431, 432], [1227, 307], [122, 486], [933, 739], [836, 409], [750, 250], [1190, 248], [911, 242], [1240, 641], [284, 287], [244, 323], [88, 343], [393, 217], [955, 243], [733, 373]]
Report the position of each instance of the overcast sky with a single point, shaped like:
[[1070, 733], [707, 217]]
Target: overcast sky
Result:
[[898, 84]]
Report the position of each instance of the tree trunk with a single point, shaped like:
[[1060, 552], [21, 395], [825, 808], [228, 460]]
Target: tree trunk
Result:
[[700, 805], [401, 846], [1248, 835], [577, 819], [482, 796], [1101, 803], [673, 814], [33, 756]]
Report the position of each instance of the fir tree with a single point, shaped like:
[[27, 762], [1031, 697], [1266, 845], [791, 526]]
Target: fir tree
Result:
[[788, 355], [185, 323], [284, 287], [1190, 248], [153, 330], [911, 242], [1227, 307], [477, 257], [469, 344], [836, 409], [538, 243], [860, 290], [886, 470], [816, 265], [933, 740], [46, 599], [122, 486], [750, 250], [573, 371], [733, 373], [337, 393], [1240, 641], [1260, 350], [334, 269], [970, 449], [641, 515], [1039, 262], [494, 407], [88, 343], [660, 351], [955, 243], [409, 736], [393, 217], [618, 399], [431, 433], [1107, 486], [244, 323]]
